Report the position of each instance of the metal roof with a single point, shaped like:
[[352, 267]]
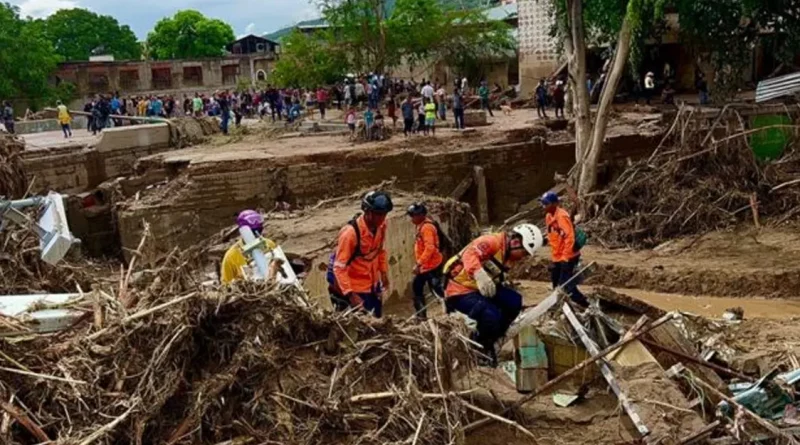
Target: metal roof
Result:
[[777, 87]]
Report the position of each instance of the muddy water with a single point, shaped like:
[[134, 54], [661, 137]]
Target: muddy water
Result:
[[708, 306]]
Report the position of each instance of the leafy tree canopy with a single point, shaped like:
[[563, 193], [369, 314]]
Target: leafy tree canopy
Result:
[[27, 59], [376, 35], [307, 61], [189, 34], [75, 33]]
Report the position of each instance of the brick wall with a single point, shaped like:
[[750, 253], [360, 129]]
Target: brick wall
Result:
[[69, 170], [212, 195]]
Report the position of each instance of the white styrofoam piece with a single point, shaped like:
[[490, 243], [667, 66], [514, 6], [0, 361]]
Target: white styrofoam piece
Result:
[[46, 320]]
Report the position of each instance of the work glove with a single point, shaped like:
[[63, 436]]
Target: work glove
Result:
[[486, 286]]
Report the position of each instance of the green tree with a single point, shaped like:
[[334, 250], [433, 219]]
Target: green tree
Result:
[[75, 33], [189, 34], [307, 61], [27, 59], [380, 34]]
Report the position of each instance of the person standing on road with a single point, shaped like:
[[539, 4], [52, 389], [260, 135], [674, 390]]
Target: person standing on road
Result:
[[561, 238], [322, 101], [483, 92], [649, 87], [428, 257], [8, 117], [476, 278], [541, 99], [197, 105], [350, 120], [225, 112], [64, 119], [458, 109], [408, 115], [427, 91], [559, 98], [358, 273], [430, 117], [441, 98]]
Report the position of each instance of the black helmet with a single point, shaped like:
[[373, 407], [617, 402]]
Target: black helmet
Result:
[[377, 201], [417, 208]]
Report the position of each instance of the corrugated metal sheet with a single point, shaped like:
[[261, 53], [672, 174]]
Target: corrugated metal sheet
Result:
[[778, 87]]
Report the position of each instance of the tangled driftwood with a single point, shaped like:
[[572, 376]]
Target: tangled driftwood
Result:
[[13, 182], [693, 185], [183, 363]]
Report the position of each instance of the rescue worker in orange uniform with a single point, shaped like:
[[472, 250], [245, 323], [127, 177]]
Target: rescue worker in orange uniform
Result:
[[475, 282], [428, 257], [360, 264], [561, 237]]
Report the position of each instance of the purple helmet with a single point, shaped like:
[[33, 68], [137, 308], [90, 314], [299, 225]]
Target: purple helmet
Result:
[[251, 219]]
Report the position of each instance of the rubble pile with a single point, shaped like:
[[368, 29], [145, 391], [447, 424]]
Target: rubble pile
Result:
[[166, 360], [13, 182], [189, 130], [688, 187]]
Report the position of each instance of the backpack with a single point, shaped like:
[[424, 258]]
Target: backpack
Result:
[[445, 243], [581, 239], [330, 276]]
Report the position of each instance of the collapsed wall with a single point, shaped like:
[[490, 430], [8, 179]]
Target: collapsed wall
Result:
[[202, 198]]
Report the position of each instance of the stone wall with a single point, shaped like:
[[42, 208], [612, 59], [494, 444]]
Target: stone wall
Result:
[[537, 49]]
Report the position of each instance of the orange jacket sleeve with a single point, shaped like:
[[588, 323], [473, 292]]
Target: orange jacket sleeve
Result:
[[429, 234], [345, 248], [383, 256], [480, 250], [567, 233]]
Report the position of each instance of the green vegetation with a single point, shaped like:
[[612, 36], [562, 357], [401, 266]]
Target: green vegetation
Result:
[[188, 34], [75, 33], [27, 59]]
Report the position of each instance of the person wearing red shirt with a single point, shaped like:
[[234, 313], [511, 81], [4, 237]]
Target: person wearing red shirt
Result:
[[322, 101], [428, 257]]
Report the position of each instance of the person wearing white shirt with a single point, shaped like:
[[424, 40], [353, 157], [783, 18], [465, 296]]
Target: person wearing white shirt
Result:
[[427, 91]]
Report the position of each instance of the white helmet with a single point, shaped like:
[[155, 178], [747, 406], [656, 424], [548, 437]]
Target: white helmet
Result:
[[532, 238]]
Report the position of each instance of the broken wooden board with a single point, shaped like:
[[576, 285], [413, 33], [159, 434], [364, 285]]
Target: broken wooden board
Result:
[[462, 187], [483, 196], [608, 374], [528, 317], [667, 335], [634, 353]]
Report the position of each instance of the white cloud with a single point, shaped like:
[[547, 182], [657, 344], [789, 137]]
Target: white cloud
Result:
[[43, 8], [249, 28]]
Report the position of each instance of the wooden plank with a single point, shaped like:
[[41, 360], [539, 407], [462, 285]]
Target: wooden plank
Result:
[[608, 374], [634, 353], [668, 335], [528, 317], [462, 187], [483, 196]]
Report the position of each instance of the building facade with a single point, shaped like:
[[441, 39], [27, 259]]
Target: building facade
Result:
[[538, 52], [185, 76]]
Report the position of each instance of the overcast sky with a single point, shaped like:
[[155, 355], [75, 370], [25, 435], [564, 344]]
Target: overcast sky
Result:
[[245, 16]]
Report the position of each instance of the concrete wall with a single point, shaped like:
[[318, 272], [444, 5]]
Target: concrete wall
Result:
[[537, 50], [79, 168], [207, 197], [42, 125], [120, 148]]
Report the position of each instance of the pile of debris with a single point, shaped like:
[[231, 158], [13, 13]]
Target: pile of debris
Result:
[[166, 359], [13, 182], [695, 184], [187, 131], [670, 372]]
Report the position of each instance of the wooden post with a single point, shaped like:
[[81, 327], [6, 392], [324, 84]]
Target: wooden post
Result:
[[608, 374], [483, 197]]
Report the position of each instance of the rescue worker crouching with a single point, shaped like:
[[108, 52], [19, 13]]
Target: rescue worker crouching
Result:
[[565, 252], [234, 261], [358, 275], [475, 278], [428, 257]]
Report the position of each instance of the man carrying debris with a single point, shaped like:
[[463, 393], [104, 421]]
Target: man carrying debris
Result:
[[475, 282], [564, 250], [234, 261], [358, 273], [428, 256]]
